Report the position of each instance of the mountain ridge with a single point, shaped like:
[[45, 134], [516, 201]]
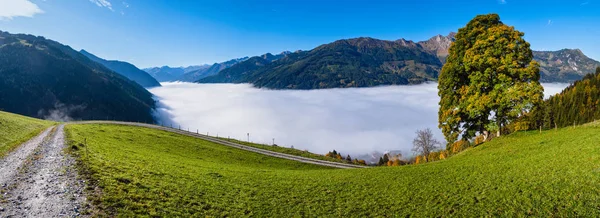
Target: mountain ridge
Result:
[[45, 79], [126, 69], [366, 62]]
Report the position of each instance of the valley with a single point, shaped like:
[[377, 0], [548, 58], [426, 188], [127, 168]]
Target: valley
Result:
[[158, 173], [299, 109], [355, 121]]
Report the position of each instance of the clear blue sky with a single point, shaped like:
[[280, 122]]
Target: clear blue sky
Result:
[[180, 33]]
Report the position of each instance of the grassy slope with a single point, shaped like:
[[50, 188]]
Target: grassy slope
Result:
[[286, 150], [150, 172], [16, 129], [147, 171]]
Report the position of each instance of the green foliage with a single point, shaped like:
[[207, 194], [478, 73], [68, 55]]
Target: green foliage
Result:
[[43, 75], [577, 104], [360, 62], [145, 172], [489, 73], [16, 129]]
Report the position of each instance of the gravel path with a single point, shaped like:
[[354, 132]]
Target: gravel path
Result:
[[47, 184], [9, 166], [235, 145]]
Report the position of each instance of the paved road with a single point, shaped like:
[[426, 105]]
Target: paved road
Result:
[[231, 144], [40, 180]]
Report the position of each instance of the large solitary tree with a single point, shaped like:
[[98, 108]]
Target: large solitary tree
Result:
[[489, 79]]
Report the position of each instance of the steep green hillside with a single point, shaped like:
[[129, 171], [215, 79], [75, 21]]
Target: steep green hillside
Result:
[[126, 69], [360, 62], [155, 173], [45, 79], [241, 71], [578, 103], [16, 129]]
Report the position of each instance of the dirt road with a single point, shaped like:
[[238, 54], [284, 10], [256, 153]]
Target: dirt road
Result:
[[40, 180]]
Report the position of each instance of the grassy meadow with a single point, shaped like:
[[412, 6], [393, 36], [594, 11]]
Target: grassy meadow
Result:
[[16, 129], [286, 150], [156, 173]]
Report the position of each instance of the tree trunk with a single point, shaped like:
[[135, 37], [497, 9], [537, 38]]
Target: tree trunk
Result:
[[485, 135]]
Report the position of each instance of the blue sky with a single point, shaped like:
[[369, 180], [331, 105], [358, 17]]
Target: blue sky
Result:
[[180, 33]]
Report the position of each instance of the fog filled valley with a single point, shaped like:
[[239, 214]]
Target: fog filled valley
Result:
[[355, 121], [299, 109]]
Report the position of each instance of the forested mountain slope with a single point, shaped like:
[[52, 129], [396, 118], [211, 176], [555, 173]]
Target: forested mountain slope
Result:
[[45, 79], [126, 69]]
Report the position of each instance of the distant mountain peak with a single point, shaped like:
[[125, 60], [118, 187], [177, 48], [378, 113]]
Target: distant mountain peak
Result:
[[439, 45]]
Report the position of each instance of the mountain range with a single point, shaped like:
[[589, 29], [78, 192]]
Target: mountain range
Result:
[[366, 62], [191, 73], [168, 74], [43, 78], [566, 65], [126, 69]]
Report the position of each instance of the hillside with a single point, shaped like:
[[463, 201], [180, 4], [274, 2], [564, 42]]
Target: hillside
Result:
[[240, 71], [577, 104], [45, 79], [566, 65], [16, 129], [209, 71], [366, 62], [126, 69], [553, 173], [169, 74], [360, 62]]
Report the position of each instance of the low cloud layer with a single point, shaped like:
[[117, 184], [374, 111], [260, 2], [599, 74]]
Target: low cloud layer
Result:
[[553, 88], [17, 8], [355, 121]]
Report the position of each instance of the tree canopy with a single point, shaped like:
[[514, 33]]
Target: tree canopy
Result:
[[489, 79], [577, 104]]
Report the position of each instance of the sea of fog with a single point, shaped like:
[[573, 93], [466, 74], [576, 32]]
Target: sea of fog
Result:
[[357, 121]]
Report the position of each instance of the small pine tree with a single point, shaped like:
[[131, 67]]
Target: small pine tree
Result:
[[386, 158]]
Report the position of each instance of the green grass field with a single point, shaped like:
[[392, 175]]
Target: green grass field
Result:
[[16, 129], [155, 173], [287, 150]]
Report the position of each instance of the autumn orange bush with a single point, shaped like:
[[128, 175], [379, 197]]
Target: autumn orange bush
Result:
[[443, 154], [459, 146], [478, 140], [433, 156]]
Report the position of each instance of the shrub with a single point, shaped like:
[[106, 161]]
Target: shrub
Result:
[[459, 146], [433, 156], [478, 140], [443, 154]]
